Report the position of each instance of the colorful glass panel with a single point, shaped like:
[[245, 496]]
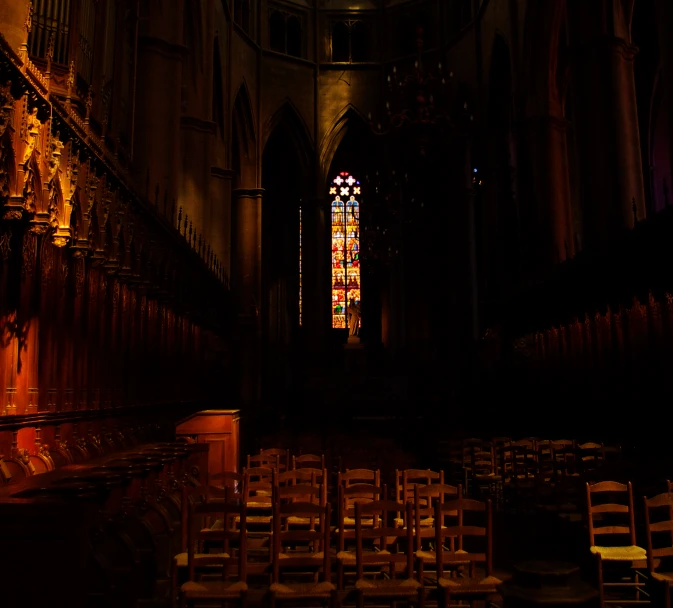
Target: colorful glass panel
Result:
[[345, 246]]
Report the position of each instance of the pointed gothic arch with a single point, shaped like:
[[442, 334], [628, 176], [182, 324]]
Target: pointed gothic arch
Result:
[[344, 120], [288, 118]]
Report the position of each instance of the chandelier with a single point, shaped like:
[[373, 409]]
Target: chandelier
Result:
[[423, 110], [423, 104]]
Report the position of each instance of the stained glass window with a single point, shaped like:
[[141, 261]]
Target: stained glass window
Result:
[[300, 276], [345, 246]]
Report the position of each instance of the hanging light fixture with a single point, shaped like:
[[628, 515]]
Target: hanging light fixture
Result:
[[423, 103]]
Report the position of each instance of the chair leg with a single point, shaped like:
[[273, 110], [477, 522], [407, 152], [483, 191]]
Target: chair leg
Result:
[[601, 590], [244, 599], [340, 576], [272, 599], [421, 597], [359, 599], [174, 585], [334, 599]]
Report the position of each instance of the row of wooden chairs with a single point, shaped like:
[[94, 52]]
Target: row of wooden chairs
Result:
[[388, 551]]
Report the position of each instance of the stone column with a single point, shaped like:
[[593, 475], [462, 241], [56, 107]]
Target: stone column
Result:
[[604, 97], [246, 287], [551, 238]]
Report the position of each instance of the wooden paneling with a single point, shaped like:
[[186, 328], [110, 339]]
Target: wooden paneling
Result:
[[220, 430]]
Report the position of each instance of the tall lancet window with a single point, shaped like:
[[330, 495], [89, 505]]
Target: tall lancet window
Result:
[[345, 192]]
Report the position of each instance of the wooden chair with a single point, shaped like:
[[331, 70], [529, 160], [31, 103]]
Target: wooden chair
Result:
[[659, 530], [470, 555], [225, 589], [395, 554], [425, 501], [192, 495], [606, 518], [345, 531], [302, 552]]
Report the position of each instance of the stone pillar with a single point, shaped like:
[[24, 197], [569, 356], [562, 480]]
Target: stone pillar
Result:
[[247, 288], [13, 15], [551, 239], [604, 102]]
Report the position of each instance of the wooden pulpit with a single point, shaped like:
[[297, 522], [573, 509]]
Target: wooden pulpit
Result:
[[219, 429]]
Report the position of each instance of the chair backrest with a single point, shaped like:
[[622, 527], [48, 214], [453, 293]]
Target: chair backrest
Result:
[[280, 456], [659, 530], [590, 456], [473, 540], [469, 446], [358, 476], [315, 537], [309, 461], [613, 521], [257, 460], [483, 461], [313, 494], [201, 515], [406, 480], [388, 533], [564, 455], [258, 484], [295, 477]]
